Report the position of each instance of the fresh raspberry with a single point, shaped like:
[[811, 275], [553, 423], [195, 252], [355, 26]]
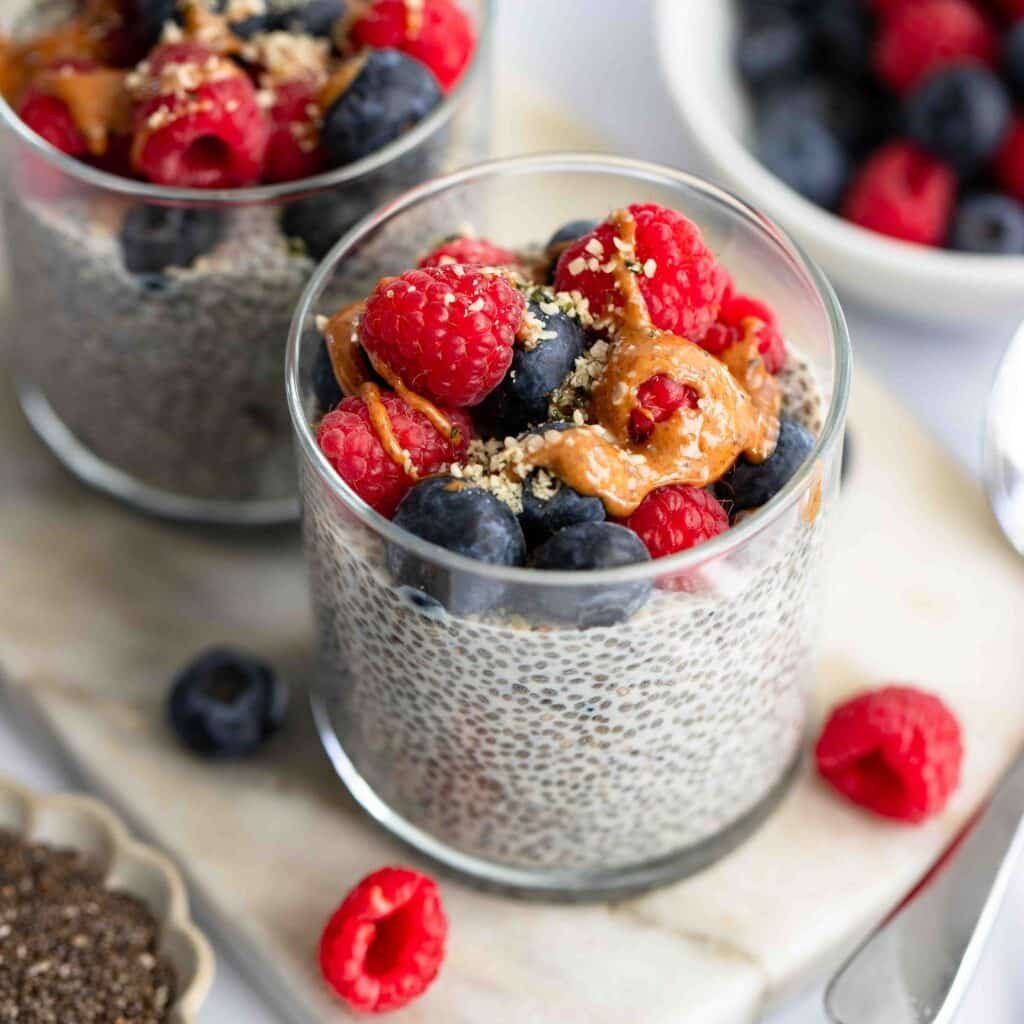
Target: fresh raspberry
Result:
[[50, 118], [384, 945], [657, 399], [293, 148], [448, 332], [919, 38], [208, 131], [896, 751], [442, 36], [678, 275], [736, 309], [350, 442], [1009, 162], [677, 518], [903, 192], [470, 252], [1012, 8]]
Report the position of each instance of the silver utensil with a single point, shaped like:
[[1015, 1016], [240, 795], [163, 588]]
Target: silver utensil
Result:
[[1003, 466], [917, 967]]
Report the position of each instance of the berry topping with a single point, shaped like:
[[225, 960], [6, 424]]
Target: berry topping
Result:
[[903, 192], [226, 704], [582, 548], [148, 18], [469, 252], [845, 31], [349, 440], [773, 46], [319, 220], [656, 400], [325, 384], [732, 324], [920, 38], [960, 116], [154, 238], [1013, 8], [1009, 161], [50, 118], [676, 271], [989, 223], [550, 505], [438, 33], [305, 17], [448, 332], [293, 147], [896, 751], [389, 95], [384, 945], [751, 485], [675, 519], [567, 233], [1013, 58], [466, 520], [522, 398], [204, 127]]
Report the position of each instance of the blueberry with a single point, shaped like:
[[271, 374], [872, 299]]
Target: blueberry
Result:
[[567, 234], [466, 520], [959, 115], [773, 47], [589, 546], [543, 516], [226, 703], [389, 95], [521, 400], [313, 17], [750, 485], [154, 238], [325, 385], [989, 223], [805, 154], [845, 31], [318, 221], [148, 18], [1013, 59]]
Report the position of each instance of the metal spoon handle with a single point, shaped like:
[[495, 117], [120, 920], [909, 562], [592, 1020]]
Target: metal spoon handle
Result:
[[916, 968]]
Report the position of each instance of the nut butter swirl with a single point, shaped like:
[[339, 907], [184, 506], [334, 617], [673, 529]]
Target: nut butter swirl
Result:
[[736, 414]]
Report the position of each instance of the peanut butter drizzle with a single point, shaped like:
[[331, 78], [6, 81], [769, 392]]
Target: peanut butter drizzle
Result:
[[339, 82], [693, 447], [441, 423], [413, 18], [381, 423], [97, 100]]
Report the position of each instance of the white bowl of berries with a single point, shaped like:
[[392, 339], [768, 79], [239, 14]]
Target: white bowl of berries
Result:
[[886, 135]]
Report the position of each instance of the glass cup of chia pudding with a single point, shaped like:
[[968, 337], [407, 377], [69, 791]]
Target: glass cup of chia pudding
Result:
[[173, 170], [566, 560]]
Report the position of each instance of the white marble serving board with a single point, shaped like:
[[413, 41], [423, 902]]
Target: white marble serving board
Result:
[[98, 607]]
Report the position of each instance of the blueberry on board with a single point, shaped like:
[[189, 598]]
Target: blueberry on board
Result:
[[466, 520], [805, 154], [226, 703], [154, 238], [325, 384], [773, 46], [845, 33], [959, 115], [582, 548], [751, 485], [390, 94], [1013, 59], [988, 223], [521, 400]]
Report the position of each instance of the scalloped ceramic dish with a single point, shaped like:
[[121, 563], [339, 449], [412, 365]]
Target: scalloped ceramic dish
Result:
[[83, 824], [695, 43]]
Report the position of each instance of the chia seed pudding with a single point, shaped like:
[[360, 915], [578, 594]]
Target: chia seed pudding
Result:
[[572, 731], [151, 319]]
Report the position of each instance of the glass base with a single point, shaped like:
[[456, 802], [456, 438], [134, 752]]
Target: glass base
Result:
[[575, 886], [92, 470]]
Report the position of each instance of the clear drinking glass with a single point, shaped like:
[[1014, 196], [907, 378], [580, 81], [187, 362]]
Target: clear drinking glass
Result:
[[514, 744], [165, 389]]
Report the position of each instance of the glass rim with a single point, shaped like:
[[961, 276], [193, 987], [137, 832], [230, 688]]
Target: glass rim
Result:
[[725, 543], [255, 195]]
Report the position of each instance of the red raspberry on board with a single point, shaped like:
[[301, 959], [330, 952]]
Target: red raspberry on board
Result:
[[440, 36], [50, 119], [675, 519], [657, 399], [448, 332], [1009, 161], [350, 443], [903, 192], [200, 126], [384, 945], [896, 751], [919, 38], [470, 252], [293, 146], [677, 272]]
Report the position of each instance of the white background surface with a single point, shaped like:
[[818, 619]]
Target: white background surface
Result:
[[598, 59]]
